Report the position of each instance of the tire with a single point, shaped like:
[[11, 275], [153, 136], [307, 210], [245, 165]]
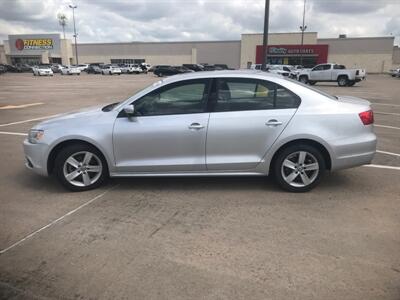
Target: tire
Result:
[[84, 180], [290, 174], [312, 82], [303, 79], [351, 83], [343, 81]]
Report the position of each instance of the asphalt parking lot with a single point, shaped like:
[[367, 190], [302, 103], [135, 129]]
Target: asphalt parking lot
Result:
[[194, 238]]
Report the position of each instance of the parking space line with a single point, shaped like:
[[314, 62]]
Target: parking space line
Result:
[[386, 113], [384, 104], [388, 153], [385, 126], [383, 167], [30, 120], [21, 106], [56, 220], [13, 133]]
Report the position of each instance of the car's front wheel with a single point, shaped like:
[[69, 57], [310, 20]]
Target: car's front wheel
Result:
[[80, 167], [299, 168]]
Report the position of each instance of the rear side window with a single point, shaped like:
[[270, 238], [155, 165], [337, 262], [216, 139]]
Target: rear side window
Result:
[[241, 94]]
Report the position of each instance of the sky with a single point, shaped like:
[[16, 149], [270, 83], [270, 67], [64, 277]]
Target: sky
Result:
[[195, 20]]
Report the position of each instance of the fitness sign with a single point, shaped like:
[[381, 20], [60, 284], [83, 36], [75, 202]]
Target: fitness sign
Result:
[[34, 44]]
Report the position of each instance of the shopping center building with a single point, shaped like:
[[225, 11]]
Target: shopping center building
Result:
[[375, 54]]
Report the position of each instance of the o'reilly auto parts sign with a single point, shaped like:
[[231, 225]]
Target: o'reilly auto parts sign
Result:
[[34, 44]]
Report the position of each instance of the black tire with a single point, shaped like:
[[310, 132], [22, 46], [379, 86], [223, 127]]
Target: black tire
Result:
[[312, 82], [342, 81], [351, 83], [278, 170], [67, 152], [303, 79]]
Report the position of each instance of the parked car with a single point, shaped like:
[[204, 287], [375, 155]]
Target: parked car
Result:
[[255, 66], [170, 70], [223, 66], [94, 69], [11, 68], [3, 69], [134, 69], [211, 68], [254, 123], [110, 70], [283, 70], [295, 70], [56, 68], [23, 67], [42, 70], [331, 73], [70, 70], [395, 72], [194, 67], [82, 67], [145, 67]]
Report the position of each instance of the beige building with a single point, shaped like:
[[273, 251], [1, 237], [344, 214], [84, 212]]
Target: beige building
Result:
[[375, 54]]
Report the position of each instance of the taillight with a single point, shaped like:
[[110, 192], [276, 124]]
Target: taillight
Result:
[[367, 117]]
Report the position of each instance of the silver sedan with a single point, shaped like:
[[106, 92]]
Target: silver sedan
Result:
[[208, 124]]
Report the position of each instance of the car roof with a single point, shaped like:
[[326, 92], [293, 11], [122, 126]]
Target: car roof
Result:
[[222, 73]]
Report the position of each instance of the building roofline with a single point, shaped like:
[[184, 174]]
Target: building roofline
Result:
[[359, 38], [292, 32], [161, 42]]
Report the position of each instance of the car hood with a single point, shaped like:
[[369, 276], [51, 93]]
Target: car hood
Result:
[[61, 119]]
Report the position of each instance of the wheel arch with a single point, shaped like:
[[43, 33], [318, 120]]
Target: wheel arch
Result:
[[62, 144], [324, 151]]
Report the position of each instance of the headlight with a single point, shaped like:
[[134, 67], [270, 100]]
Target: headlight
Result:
[[35, 135]]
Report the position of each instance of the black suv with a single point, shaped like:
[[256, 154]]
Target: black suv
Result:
[[194, 67], [165, 70]]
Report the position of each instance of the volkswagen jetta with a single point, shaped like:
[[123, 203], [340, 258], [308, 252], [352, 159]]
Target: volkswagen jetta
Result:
[[208, 124]]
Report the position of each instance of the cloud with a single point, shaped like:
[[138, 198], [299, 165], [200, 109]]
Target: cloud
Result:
[[174, 20]]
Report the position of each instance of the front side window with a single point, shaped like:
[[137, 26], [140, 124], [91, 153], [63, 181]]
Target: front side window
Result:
[[185, 97], [241, 94]]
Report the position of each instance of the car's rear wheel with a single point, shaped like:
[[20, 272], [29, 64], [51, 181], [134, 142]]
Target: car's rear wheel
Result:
[[343, 81], [80, 167], [299, 168]]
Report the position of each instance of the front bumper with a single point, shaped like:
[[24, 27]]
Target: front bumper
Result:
[[35, 158]]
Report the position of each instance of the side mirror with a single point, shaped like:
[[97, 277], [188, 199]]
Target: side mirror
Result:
[[129, 110]]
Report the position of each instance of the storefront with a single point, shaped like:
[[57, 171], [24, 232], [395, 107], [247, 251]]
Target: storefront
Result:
[[35, 49], [306, 55]]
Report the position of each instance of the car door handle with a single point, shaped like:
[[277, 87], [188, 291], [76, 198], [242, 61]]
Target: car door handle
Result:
[[196, 126], [273, 122]]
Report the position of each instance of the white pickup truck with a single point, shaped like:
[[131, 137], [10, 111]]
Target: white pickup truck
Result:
[[331, 72]]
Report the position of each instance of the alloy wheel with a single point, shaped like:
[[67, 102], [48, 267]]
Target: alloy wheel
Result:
[[300, 169], [82, 168]]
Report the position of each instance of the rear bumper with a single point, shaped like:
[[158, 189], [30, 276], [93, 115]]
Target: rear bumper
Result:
[[353, 152], [34, 157]]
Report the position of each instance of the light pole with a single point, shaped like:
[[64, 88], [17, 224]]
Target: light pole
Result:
[[303, 28], [62, 20], [265, 38], [75, 35]]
